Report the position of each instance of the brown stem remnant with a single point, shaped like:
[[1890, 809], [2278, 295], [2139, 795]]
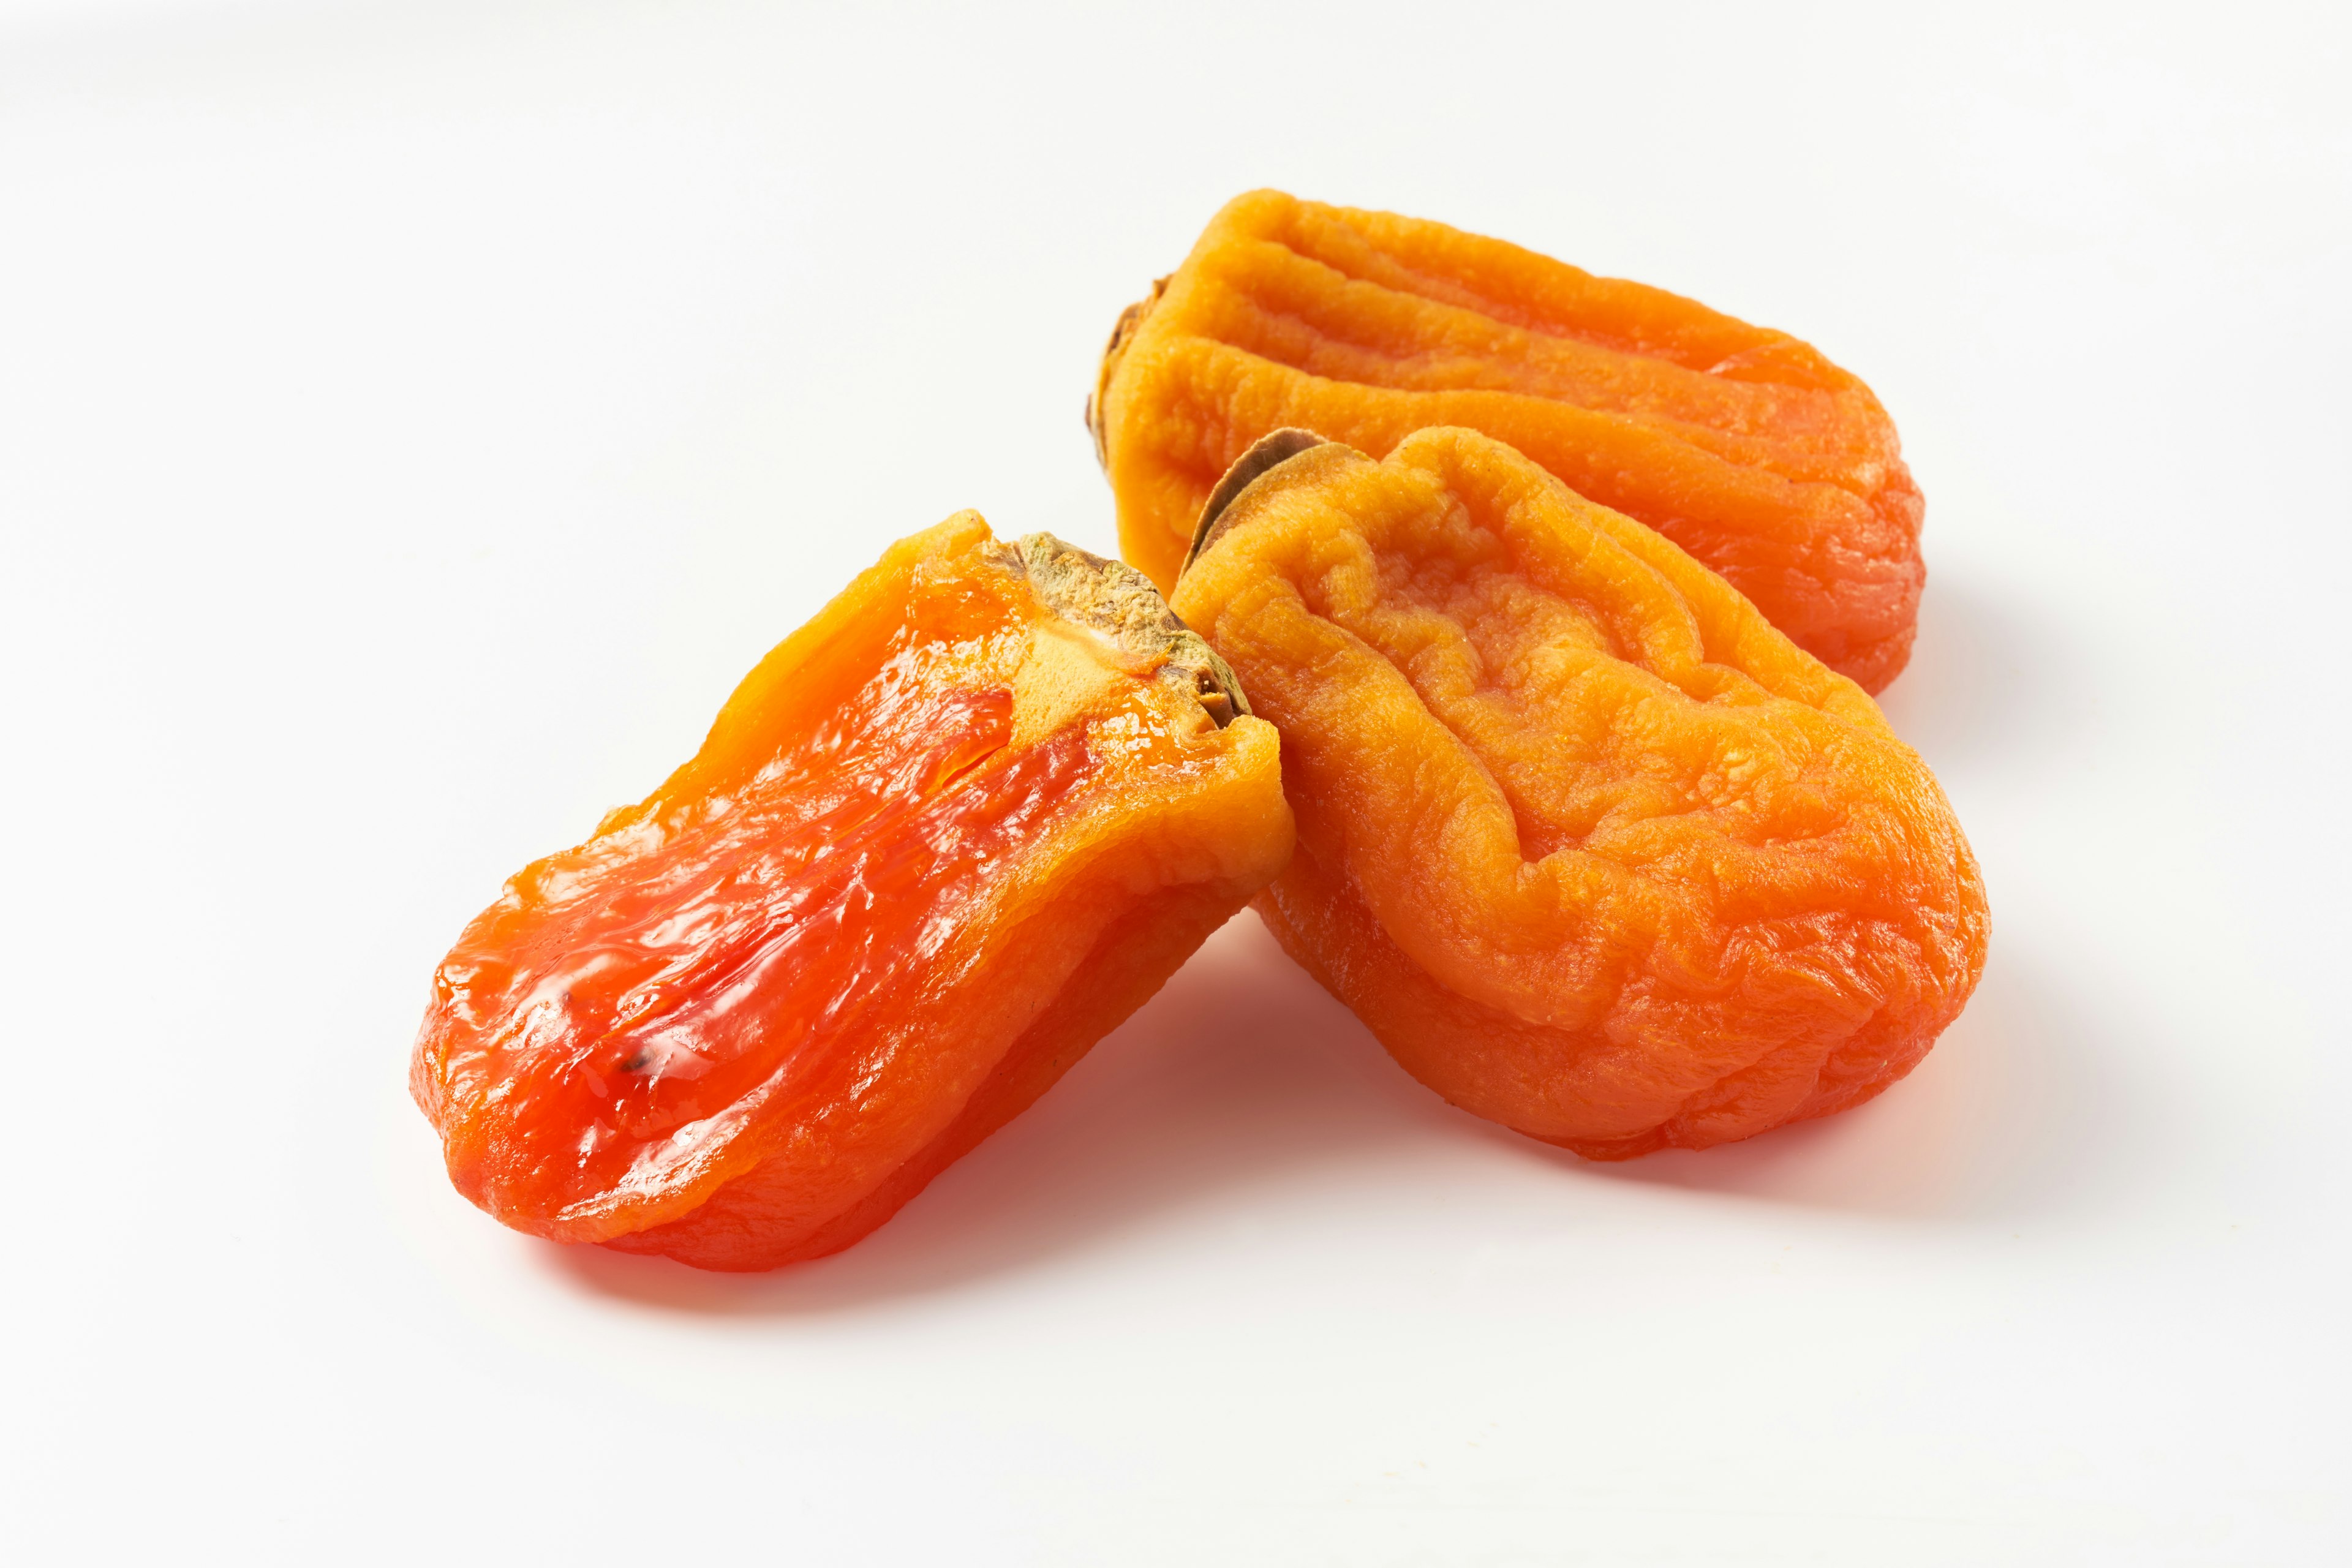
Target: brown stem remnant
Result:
[[1118, 605], [1270, 452]]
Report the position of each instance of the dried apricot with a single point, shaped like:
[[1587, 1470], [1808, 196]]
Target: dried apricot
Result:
[[939, 841], [1593, 850], [1742, 445]]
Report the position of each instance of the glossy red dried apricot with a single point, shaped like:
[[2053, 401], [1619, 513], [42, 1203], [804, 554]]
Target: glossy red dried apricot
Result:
[[942, 839]]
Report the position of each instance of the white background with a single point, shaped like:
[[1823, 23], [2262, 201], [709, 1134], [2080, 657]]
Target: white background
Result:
[[413, 421]]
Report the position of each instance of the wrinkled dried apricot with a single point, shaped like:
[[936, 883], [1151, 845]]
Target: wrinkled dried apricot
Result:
[[939, 841], [1742, 445], [1594, 850]]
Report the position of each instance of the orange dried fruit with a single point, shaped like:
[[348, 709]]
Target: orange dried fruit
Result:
[[1744, 445], [1594, 850], [939, 841]]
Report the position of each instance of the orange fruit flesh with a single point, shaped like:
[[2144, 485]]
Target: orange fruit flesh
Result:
[[643, 998], [629, 1000]]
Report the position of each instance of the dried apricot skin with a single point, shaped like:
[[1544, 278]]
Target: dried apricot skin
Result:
[[938, 842], [1594, 850], [1742, 445]]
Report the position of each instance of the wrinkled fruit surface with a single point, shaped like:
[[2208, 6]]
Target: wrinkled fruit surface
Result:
[[1742, 445], [938, 842], [1594, 850]]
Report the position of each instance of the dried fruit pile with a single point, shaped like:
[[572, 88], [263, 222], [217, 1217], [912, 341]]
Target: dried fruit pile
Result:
[[1593, 830]]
